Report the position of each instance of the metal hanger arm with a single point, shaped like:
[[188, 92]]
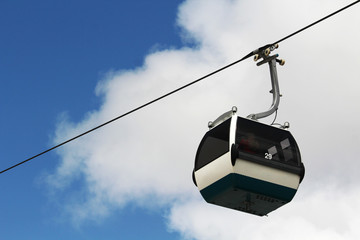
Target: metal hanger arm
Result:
[[275, 89]]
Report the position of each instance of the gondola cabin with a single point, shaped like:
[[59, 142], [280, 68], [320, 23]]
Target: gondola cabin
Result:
[[248, 166]]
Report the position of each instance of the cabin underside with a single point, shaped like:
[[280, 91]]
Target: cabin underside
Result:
[[247, 194]]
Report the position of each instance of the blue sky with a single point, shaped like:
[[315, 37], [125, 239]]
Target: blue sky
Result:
[[67, 66], [53, 55]]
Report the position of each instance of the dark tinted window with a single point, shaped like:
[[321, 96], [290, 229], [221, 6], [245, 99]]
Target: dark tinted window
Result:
[[266, 142], [214, 144]]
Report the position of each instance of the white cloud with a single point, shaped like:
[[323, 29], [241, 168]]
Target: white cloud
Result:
[[147, 157]]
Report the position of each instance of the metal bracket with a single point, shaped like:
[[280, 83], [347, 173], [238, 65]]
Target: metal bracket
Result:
[[272, 60], [223, 117]]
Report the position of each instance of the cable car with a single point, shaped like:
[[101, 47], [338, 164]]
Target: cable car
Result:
[[246, 165]]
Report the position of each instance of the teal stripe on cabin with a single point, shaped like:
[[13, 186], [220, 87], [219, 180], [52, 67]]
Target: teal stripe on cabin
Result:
[[253, 185]]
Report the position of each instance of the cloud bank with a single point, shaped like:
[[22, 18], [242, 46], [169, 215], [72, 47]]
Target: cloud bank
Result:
[[146, 158]]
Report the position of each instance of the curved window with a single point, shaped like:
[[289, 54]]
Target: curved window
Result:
[[214, 144], [266, 142]]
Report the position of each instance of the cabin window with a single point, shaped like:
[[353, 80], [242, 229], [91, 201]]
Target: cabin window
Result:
[[214, 144], [287, 150], [266, 142]]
